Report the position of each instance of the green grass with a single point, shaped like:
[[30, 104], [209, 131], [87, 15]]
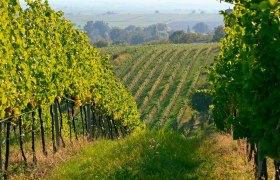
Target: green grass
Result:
[[151, 155], [155, 155]]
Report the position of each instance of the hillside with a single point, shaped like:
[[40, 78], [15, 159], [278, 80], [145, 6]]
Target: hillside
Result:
[[174, 21], [164, 79]]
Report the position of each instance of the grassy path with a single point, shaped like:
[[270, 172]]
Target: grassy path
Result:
[[157, 155]]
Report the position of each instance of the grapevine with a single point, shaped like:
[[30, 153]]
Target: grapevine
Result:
[[246, 79]]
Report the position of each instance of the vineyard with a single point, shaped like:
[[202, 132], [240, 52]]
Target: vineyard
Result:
[[58, 91], [54, 85], [164, 81]]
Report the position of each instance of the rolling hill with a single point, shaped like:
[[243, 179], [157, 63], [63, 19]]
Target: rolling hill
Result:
[[164, 79]]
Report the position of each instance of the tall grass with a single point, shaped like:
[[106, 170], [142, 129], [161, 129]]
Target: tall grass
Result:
[[157, 155]]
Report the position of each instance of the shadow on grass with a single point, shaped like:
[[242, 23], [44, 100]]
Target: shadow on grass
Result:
[[147, 155]]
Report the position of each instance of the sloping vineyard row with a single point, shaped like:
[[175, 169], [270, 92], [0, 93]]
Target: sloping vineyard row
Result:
[[144, 68], [161, 92], [151, 91], [147, 72], [166, 111], [194, 83], [160, 95], [164, 96], [131, 68], [151, 74], [135, 69]]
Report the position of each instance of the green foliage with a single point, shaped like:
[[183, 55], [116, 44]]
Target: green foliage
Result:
[[246, 76], [200, 101], [100, 31], [219, 33], [200, 27], [177, 36], [101, 43], [42, 57], [182, 37]]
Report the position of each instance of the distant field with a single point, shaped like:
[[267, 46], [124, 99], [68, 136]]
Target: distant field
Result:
[[124, 20], [163, 80]]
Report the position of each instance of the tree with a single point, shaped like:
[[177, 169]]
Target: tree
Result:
[[151, 30], [101, 43], [119, 35], [97, 31], [137, 38], [190, 38], [219, 33], [177, 37], [200, 27], [101, 26], [131, 28], [89, 26], [246, 80], [161, 27], [188, 30]]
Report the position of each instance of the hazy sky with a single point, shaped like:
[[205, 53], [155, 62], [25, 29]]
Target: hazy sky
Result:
[[207, 5]]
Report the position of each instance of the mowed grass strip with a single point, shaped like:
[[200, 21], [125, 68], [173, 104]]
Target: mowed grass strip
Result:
[[157, 155]]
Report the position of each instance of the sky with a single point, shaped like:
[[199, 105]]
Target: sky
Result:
[[142, 5]]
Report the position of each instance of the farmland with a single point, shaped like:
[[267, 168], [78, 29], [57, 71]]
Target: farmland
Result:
[[71, 111], [175, 21], [164, 80]]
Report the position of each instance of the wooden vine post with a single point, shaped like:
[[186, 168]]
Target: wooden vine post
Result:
[[32, 77], [56, 123], [1, 171], [69, 120], [7, 148], [33, 137], [61, 123], [52, 124], [82, 119], [42, 132], [88, 122], [21, 141]]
